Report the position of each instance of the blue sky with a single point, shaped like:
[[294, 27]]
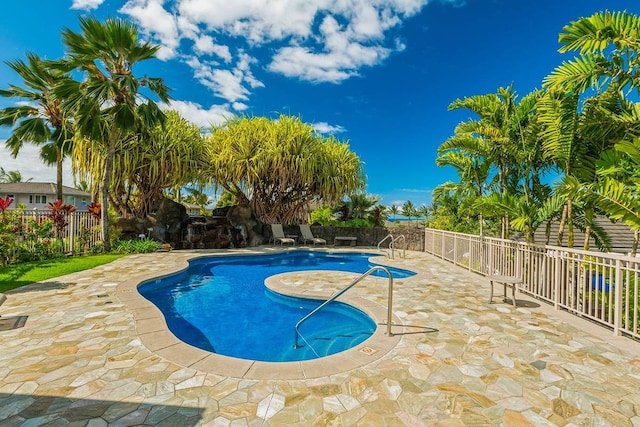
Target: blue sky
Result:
[[378, 74]]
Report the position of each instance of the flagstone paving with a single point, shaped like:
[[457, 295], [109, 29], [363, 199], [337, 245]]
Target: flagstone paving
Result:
[[86, 350]]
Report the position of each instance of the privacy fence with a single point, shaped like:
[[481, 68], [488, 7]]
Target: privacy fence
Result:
[[81, 232], [601, 287]]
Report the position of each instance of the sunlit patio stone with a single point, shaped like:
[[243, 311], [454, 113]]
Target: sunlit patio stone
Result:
[[86, 354]]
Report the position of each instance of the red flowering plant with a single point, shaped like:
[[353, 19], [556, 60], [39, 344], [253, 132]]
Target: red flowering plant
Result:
[[4, 204], [59, 215], [95, 209]]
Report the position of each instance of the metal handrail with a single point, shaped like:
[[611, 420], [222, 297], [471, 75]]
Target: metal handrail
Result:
[[383, 240], [404, 247], [352, 284]]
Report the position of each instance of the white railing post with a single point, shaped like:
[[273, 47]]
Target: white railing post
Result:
[[617, 315], [557, 280], [71, 230], [455, 249]]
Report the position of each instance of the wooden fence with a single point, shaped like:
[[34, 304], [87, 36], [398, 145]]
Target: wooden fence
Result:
[[602, 287], [82, 229]]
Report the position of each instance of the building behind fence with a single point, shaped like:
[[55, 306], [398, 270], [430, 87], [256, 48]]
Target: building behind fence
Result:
[[601, 287]]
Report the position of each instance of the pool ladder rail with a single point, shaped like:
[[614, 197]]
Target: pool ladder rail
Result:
[[345, 289], [392, 242]]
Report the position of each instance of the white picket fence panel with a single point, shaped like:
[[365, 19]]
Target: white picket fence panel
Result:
[[78, 221], [602, 287]]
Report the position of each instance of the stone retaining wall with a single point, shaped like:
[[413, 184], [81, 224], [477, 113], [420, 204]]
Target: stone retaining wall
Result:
[[366, 236]]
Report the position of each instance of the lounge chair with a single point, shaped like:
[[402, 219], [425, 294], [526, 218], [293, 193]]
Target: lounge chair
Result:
[[278, 235], [307, 236]]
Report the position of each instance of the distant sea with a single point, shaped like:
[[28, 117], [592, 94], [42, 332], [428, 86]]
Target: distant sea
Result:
[[403, 219]]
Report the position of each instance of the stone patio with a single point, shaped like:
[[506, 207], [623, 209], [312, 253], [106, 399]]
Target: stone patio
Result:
[[85, 349]]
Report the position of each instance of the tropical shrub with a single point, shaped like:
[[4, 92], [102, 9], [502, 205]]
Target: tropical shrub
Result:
[[323, 216], [141, 246], [60, 215]]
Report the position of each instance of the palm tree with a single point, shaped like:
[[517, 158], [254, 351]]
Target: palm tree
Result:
[[608, 63], [43, 120], [468, 155], [11, 177], [423, 212], [167, 156], [394, 210], [196, 196], [408, 210], [609, 53], [360, 204], [498, 135], [108, 106]]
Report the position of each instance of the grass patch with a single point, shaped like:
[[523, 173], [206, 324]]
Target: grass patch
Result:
[[16, 275]]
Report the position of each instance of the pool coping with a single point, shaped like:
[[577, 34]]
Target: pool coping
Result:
[[154, 333]]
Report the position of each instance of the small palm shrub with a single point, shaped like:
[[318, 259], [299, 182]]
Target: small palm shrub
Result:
[[141, 246]]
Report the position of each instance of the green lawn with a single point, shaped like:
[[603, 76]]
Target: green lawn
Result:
[[16, 275]]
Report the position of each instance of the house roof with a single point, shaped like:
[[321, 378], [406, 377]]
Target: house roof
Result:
[[39, 188]]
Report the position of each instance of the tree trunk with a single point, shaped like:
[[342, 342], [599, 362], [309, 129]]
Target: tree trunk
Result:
[[563, 219], [59, 160], [569, 223], [588, 216], [547, 232], [106, 181]]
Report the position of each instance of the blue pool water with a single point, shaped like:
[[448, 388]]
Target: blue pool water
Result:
[[220, 304]]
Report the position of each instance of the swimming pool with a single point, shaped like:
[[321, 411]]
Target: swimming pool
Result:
[[220, 304]]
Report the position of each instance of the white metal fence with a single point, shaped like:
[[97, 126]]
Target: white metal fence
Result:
[[602, 287], [82, 229]]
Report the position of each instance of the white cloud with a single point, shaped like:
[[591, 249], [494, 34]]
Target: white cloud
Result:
[[239, 106], [256, 21], [205, 45], [86, 4], [341, 58], [215, 115], [156, 23], [326, 128], [231, 85], [29, 164], [317, 41]]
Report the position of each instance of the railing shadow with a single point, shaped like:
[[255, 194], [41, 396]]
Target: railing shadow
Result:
[[12, 322], [18, 409]]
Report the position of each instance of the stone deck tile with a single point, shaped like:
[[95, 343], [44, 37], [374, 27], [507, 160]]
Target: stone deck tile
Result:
[[80, 359]]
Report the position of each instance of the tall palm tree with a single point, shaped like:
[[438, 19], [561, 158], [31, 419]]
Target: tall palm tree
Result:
[[468, 156], [574, 135], [500, 137], [608, 63], [408, 210], [108, 106], [394, 210], [42, 121]]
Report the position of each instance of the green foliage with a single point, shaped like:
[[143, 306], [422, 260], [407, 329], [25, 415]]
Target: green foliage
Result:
[[226, 199], [108, 107], [358, 222], [140, 246], [323, 216], [281, 166]]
